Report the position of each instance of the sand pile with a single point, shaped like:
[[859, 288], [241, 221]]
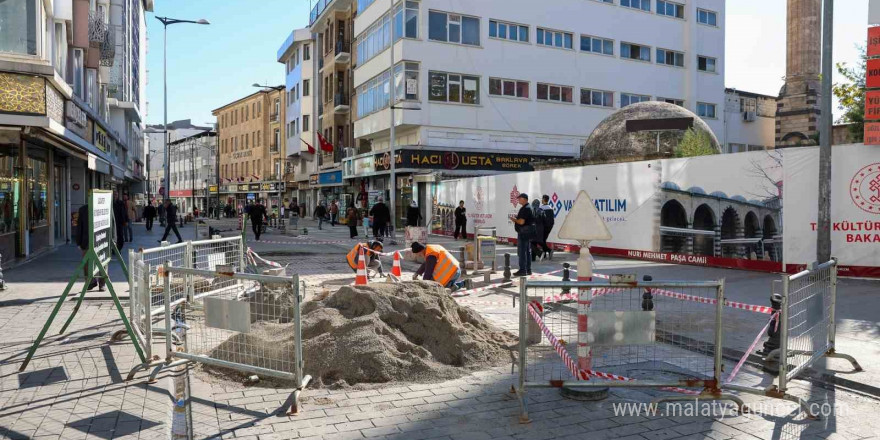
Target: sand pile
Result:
[[411, 332]]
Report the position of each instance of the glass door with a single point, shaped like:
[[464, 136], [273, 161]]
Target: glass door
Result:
[[59, 204]]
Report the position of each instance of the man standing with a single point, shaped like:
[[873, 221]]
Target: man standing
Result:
[[460, 221], [413, 214], [334, 213], [81, 237], [257, 213], [120, 216], [171, 221], [132, 216], [149, 214], [381, 215], [524, 224], [352, 216], [320, 213], [548, 219]]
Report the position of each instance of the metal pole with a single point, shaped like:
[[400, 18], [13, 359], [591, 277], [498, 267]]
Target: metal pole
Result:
[[167, 166], [192, 178], [392, 200], [823, 232]]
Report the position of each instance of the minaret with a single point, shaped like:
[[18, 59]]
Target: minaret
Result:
[[797, 108]]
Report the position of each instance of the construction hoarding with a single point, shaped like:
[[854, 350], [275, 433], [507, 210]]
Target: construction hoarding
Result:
[[723, 210]]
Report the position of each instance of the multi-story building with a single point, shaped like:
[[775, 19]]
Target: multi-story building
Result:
[[749, 121], [332, 24], [296, 53], [250, 140], [487, 86], [193, 172], [72, 82], [155, 149]]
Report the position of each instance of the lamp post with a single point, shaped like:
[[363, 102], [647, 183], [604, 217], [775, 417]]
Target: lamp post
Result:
[[166, 21]]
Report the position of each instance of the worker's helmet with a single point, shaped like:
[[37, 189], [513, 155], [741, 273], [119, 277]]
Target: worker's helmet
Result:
[[377, 245]]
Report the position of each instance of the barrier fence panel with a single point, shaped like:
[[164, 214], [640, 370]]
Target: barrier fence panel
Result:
[[238, 321], [139, 300], [808, 324], [633, 334]]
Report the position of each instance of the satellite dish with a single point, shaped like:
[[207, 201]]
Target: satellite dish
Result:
[[583, 222]]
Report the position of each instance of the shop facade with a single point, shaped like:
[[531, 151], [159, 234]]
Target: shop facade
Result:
[[240, 195]]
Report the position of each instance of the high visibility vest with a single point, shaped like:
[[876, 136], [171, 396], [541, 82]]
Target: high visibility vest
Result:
[[353, 255], [447, 266]]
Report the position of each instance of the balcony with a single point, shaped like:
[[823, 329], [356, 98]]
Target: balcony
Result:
[[97, 30], [273, 117], [108, 49], [273, 148], [343, 52], [341, 103]]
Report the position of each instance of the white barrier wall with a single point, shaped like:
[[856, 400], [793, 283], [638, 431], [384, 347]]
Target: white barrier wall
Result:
[[733, 201]]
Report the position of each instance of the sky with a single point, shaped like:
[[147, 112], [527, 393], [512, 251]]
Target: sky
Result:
[[209, 66]]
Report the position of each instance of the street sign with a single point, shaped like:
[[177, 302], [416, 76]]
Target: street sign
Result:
[[100, 211], [873, 41], [872, 105], [872, 76], [872, 133], [583, 222]]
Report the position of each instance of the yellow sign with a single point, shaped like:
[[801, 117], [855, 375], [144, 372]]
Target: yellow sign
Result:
[[100, 138]]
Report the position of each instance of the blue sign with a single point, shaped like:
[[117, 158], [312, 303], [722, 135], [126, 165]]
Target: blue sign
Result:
[[331, 178], [251, 196]]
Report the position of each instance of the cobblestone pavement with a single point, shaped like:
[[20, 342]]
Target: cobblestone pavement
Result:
[[74, 387]]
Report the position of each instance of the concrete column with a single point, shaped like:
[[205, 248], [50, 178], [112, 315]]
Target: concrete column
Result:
[[717, 251], [689, 241]]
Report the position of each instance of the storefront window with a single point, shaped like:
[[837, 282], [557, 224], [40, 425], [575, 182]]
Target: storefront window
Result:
[[37, 190], [9, 192]]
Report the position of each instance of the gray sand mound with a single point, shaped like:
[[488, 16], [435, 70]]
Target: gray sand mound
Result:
[[410, 332]]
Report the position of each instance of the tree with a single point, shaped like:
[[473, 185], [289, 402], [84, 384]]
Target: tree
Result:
[[695, 143], [851, 96]]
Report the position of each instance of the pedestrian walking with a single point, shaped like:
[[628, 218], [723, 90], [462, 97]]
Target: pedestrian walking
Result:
[[81, 238], [120, 216], [257, 213], [351, 216], [334, 213], [548, 219], [524, 224], [149, 214], [460, 221], [381, 216], [171, 221], [320, 213], [413, 214], [132, 216]]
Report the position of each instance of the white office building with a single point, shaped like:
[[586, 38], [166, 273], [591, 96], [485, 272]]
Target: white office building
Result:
[[749, 121], [523, 78], [296, 53]]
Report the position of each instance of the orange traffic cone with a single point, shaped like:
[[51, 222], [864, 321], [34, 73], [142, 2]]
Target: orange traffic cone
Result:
[[395, 267], [361, 277]]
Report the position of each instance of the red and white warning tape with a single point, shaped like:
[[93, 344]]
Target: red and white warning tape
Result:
[[701, 299], [254, 257], [574, 296], [582, 374], [303, 242], [751, 348]]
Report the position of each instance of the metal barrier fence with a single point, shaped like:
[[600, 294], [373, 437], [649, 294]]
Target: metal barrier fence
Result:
[[808, 323], [146, 298], [621, 334], [233, 320]]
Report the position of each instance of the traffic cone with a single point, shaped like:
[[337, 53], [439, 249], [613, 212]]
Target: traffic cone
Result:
[[361, 277], [395, 267]]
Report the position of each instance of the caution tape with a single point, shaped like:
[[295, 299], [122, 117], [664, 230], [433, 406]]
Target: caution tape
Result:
[[254, 257], [701, 299], [751, 348], [303, 242], [582, 374], [574, 296]]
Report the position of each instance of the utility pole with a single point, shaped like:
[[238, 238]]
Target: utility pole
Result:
[[392, 200], [823, 230]]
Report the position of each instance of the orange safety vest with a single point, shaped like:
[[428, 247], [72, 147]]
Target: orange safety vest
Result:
[[447, 266], [353, 255]]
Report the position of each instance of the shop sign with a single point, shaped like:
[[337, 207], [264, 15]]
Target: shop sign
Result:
[[101, 138], [313, 179], [242, 187], [459, 160], [229, 188], [243, 153], [253, 187], [75, 118], [213, 189], [251, 196], [272, 186], [331, 178], [363, 165]]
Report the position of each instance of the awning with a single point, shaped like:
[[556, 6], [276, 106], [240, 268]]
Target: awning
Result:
[[98, 164]]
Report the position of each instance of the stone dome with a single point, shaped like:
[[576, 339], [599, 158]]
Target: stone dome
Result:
[[610, 140]]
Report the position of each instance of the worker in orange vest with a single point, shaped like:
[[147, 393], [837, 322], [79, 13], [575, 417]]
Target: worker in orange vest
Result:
[[373, 262], [439, 266]]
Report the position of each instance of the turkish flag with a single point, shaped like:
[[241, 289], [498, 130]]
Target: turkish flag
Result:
[[311, 148], [325, 146]]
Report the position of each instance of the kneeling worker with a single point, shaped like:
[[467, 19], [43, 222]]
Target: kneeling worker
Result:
[[373, 262], [439, 266]]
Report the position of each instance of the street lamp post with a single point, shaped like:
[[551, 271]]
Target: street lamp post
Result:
[[166, 21]]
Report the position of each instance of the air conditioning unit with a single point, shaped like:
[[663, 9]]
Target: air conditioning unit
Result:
[[749, 116], [349, 152]]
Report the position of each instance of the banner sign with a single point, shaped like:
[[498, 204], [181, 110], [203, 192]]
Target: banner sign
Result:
[[873, 49], [457, 160], [872, 76], [101, 212], [721, 210]]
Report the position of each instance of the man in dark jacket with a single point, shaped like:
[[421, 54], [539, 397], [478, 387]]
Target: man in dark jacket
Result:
[[81, 237], [120, 216], [257, 213], [149, 214], [460, 221], [524, 224], [161, 212], [548, 219], [320, 214], [381, 215], [171, 221], [413, 214]]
